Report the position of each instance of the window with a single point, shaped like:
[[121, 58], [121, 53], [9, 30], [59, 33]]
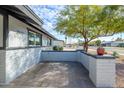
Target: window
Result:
[[1, 30], [44, 38], [34, 39], [37, 39], [46, 41], [49, 42]]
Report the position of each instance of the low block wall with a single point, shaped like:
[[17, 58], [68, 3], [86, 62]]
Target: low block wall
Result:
[[101, 68], [58, 56], [15, 62], [83, 59], [102, 72]]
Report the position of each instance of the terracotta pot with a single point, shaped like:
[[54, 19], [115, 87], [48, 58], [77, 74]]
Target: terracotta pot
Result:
[[100, 51]]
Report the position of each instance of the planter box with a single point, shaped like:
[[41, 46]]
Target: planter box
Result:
[[102, 72]]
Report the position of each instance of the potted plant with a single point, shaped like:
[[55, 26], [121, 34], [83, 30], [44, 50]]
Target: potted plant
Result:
[[100, 51]]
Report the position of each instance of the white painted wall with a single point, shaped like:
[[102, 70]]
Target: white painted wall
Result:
[[18, 34], [44, 40], [102, 72], [58, 43], [116, 43], [19, 60], [1, 31], [59, 56], [92, 70], [84, 60]]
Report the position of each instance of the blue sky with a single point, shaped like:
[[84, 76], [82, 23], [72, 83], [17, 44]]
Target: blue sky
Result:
[[48, 14]]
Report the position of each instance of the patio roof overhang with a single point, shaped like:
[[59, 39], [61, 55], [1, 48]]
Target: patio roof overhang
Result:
[[22, 13]]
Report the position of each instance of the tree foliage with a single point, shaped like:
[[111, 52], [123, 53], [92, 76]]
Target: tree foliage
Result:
[[90, 21], [98, 42]]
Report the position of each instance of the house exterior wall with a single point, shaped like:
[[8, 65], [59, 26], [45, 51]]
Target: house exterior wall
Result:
[[116, 43], [58, 42], [112, 43], [18, 34], [44, 40], [19, 60]]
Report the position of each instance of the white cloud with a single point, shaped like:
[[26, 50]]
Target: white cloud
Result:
[[48, 14]]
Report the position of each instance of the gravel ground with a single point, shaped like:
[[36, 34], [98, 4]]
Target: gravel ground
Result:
[[55, 74]]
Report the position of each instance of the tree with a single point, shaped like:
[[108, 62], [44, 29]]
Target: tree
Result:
[[98, 42], [119, 39], [89, 22]]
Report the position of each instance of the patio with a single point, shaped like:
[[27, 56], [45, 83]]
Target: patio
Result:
[[55, 74]]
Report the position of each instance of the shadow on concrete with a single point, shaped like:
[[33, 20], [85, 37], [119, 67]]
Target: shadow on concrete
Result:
[[55, 75]]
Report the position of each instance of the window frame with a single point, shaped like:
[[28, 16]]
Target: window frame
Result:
[[49, 42], [5, 28], [36, 33]]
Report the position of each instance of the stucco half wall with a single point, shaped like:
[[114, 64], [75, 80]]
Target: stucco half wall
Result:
[[19, 61], [59, 56], [101, 68]]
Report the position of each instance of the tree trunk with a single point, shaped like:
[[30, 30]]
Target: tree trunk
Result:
[[86, 46]]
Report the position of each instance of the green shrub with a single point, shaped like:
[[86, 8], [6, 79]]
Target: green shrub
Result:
[[57, 48], [61, 48], [115, 54]]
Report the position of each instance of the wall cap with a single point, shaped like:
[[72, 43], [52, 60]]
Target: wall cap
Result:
[[98, 56], [82, 51]]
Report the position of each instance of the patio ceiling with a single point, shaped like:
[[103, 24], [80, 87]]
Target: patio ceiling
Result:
[[18, 13]]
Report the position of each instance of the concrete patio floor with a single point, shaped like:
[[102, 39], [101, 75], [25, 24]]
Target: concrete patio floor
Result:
[[54, 74]]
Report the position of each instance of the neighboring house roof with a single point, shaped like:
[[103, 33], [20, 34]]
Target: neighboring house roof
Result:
[[109, 42], [60, 40], [106, 42], [24, 13]]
